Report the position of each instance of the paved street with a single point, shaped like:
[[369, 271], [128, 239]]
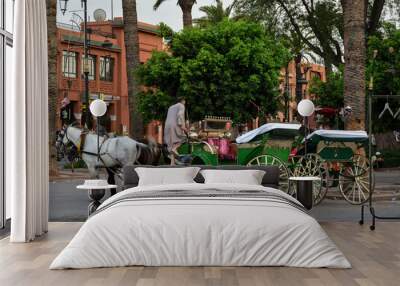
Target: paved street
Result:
[[69, 204]]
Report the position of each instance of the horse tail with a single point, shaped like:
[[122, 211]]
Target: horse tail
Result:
[[165, 153], [149, 153], [139, 152], [155, 151]]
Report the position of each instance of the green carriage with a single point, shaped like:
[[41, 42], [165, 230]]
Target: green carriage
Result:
[[270, 144], [339, 158]]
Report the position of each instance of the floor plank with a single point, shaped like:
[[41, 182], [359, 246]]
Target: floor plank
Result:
[[375, 257]]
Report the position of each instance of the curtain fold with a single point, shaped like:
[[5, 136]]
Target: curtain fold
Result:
[[27, 151]]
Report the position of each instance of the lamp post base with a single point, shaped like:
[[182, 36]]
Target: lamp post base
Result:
[[95, 197]]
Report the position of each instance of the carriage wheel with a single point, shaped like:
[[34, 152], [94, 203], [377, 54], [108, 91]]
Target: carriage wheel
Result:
[[312, 165], [269, 160], [354, 180]]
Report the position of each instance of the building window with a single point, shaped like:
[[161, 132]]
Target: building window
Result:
[[106, 68], [69, 64], [91, 66]]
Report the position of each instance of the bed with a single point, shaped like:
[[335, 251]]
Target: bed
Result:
[[201, 224]]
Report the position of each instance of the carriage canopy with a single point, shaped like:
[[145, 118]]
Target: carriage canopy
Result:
[[337, 136], [280, 128]]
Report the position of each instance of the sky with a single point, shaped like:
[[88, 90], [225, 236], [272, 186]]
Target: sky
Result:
[[169, 12]]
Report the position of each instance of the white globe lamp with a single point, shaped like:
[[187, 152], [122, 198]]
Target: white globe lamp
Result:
[[98, 108], [306, 107]]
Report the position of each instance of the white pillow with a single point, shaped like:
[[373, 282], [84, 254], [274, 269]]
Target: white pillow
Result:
[[166, 176], [247, 177]]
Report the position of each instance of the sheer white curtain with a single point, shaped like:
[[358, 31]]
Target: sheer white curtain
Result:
[[27, 124]]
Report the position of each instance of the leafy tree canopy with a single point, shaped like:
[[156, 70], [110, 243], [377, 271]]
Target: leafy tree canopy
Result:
[[319, 23], [214, 14], [166, 32], [228, 69], [385, 69], [329, 93]]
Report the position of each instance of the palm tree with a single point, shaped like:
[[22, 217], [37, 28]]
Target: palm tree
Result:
[[51, 6], [355, 56], [214, 14], [186, 7], [131, 38]]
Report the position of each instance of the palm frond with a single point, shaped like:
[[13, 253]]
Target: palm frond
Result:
[[157, 4]]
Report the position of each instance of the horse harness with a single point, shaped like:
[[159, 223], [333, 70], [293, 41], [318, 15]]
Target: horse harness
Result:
[[82, 143]]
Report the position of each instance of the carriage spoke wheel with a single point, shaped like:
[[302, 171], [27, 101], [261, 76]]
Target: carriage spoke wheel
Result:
[[354, 180], [269, 160], [312, 165]]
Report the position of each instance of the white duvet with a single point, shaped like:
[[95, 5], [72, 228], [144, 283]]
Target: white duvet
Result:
[[205, 231]]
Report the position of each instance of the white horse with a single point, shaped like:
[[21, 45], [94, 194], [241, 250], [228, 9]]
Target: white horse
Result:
[[115, 152]]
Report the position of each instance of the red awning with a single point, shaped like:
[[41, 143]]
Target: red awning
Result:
[[327, 111]]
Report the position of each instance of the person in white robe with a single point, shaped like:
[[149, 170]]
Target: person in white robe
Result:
[[175, 128]]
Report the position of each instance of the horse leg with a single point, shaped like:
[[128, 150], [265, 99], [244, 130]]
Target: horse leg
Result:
[[111, 181]]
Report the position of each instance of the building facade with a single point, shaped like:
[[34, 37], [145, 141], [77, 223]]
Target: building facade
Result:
[[295, 86], [107, 69], [108, 79]]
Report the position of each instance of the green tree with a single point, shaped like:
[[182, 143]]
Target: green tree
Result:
[[186, 7], [227, 69], [318, 23], [385, 67], [166, 32], [214, 13], [385, 70], [328, 93]]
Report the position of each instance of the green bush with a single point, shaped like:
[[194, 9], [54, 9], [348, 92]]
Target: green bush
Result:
[[329, 93], [79, 164]]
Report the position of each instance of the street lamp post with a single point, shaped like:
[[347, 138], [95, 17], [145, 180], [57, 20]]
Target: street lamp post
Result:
[[305, 108], [98, 108], [287, 94], [86, 63], [85, 110]]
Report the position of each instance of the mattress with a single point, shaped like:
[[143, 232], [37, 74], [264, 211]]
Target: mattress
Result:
[[201, 225]]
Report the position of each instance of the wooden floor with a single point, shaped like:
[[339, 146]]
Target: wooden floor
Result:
[[375, 257]]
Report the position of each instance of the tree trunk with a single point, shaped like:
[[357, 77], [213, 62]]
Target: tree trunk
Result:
[[355, 57], [132, 63], [52, 83], [187, 18], [186, 7]]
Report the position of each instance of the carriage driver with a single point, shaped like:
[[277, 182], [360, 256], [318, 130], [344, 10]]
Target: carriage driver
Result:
[[175, 128]]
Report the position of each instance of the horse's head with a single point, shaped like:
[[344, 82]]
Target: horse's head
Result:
[[69, 134], [65, 145], [60, 134], [61, 142]]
